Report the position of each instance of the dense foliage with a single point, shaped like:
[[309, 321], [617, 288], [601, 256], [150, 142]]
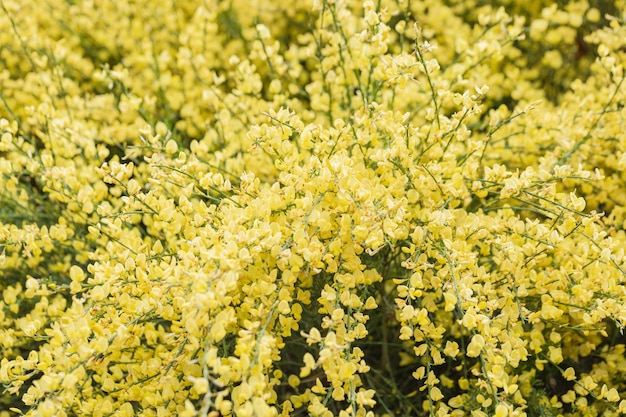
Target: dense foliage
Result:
[[316, 208]]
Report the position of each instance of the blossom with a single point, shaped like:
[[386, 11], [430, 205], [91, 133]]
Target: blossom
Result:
[[260, 209]]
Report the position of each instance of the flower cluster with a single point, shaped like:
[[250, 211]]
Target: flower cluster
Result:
[[326, 208]]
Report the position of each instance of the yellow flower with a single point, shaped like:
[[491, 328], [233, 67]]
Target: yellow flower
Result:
[[501, 410], [569, 374], [476, 345], [77, 274]]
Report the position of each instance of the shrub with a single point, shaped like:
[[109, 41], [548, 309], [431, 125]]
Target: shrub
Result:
[[312, 208]]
